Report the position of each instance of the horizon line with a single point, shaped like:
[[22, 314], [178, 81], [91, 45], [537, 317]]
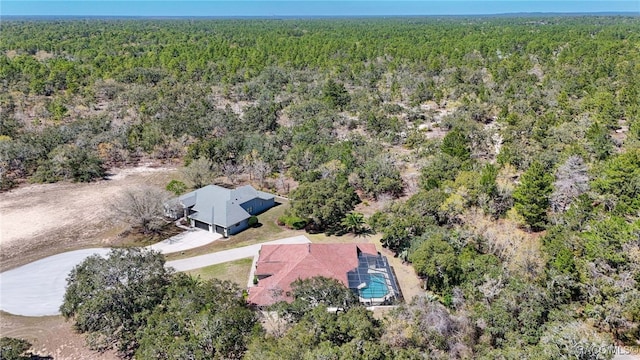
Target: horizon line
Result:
[[516, 14]]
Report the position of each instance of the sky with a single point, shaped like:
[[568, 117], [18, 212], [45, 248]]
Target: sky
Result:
[[268, 8]]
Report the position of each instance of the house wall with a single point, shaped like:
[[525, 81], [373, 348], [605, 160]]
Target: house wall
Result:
[[257, 206], [236, 228]]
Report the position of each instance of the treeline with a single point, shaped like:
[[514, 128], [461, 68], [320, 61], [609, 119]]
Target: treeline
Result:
[[163, 85], [143, 51]]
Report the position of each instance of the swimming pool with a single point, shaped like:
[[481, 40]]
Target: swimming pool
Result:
[[376, 287]]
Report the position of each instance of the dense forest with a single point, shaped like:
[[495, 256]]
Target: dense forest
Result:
[[503, 155]]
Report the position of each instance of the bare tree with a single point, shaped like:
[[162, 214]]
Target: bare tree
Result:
[[261, 170], [281, 184], [249, 161], [573, 340], [572, 180], [411, 181], [142, 208], [231, 171], [428, 324]]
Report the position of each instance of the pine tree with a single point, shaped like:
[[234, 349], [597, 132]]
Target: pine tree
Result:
[[456, 144], [336, 94], [532, 196]]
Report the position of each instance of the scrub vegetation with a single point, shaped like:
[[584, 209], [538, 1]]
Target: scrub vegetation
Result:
[[499, 156]]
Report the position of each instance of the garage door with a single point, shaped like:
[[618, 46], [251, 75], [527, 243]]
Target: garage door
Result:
[[201, 225]]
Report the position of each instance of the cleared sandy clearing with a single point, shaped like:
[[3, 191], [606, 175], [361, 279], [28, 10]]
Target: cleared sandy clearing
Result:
[[44, 219]]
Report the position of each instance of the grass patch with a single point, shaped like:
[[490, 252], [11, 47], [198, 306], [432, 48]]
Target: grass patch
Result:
[[235, 271]]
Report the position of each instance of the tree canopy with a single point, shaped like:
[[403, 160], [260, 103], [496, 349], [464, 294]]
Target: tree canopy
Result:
[[107, 298]]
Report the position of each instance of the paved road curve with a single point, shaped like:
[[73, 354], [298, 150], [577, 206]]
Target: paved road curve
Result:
[[37, 289]]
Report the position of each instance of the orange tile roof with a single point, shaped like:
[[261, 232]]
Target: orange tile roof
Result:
[[283, 264]]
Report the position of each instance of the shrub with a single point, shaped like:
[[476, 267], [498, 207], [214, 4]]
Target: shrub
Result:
[[253, 221], [177, 187], [292, 222], [11, 348]]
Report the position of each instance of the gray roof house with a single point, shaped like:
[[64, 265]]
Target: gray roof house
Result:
[[225, 211]]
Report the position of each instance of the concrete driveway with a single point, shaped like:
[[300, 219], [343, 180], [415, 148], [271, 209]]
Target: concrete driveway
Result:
[[37, 289], [189, 239]]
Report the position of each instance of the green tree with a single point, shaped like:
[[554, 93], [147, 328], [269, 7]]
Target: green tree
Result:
[[378, 176], [436, 260], [85, 166], [601, 144], [324, 202], [108, 298], [456, 144], [69, 162], [353, 222], [517, 315], [438, 169], [335, 94], [531, 197], [177, 187], [198, 320], [321, 290], [488, 177], [321, 334], [311, 293], [619, 178]]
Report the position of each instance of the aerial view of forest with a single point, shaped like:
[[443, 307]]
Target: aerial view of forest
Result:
[[497, 158]]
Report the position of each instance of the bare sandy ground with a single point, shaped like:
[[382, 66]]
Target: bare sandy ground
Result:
[[46, 219], [43, 219], [51, 336]]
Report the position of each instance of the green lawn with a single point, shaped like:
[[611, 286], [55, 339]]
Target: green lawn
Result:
[[235, 271]]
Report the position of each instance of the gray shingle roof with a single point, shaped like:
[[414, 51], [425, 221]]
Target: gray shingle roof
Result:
[[217, 205]]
